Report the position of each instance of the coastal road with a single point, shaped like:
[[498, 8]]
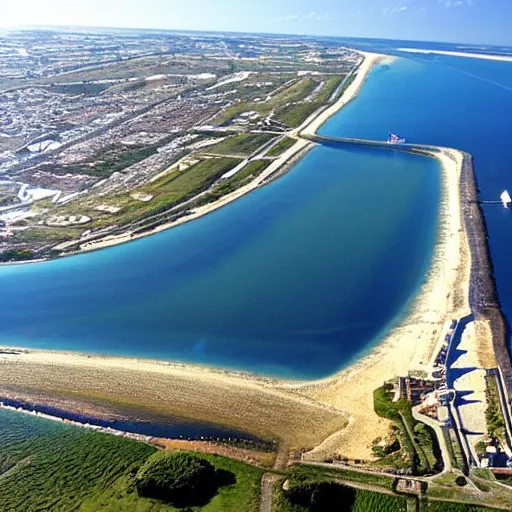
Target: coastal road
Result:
[[447, 463]]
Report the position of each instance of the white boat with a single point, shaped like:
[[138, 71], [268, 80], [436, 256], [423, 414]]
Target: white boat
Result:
[[395, 139], [505, 198]]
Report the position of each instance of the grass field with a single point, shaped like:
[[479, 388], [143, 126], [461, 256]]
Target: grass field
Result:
[[243, 144], [281, 147], [443, 506], [493, 416], [421, 446], [50, 466], [241, 178], [295, 92], [316, 472], [358, 500], [244, 495], [295, 114], [175, 187]]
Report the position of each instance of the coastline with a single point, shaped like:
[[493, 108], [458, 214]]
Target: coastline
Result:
[[334, 415], [281, 165], [412, 340], [278, 167], [311, 126]]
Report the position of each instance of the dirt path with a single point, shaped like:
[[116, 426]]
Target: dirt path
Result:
[[270, 479], [267, 487]]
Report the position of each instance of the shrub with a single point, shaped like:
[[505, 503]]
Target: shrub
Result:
[[320, 496], [181, 479], [461, 481]]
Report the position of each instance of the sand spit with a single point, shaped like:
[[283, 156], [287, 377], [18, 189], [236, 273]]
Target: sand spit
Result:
[[80, 382], [331, 416], [504, 58], [409, 345]]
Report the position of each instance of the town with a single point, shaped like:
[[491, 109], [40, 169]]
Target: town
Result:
[[103, 134]]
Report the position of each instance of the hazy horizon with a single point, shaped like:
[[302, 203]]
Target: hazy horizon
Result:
[[99, 28], [450, 21]]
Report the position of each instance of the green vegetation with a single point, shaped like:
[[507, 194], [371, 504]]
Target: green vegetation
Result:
[[178, 186], [306, 472], [281, 146], [454, 449], [331, 84], [111, 163], [495, 422], [113, 159], [46, 465], [243, 144], [295, 92], [296, 114], [303, 481], [486, 474], [242, 493], [181, 479], [88, 89], [16, 255], [241, 178], [49, 466], [305, 492], [417, 439], [443, 506]]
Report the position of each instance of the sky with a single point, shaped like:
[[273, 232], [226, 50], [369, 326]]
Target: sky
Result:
[[463, 21]]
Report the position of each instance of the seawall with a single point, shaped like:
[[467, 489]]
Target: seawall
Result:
[[483, 294]]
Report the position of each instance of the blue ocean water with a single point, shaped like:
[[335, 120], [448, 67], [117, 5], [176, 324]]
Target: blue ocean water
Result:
[[295, 279], [459, 102]]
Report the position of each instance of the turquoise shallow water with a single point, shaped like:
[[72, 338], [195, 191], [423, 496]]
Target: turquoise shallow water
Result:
[[295, 279]]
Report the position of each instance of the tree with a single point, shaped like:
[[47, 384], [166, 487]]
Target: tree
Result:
[[181, 479]]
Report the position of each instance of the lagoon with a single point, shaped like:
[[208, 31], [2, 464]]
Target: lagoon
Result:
[[296, 279]]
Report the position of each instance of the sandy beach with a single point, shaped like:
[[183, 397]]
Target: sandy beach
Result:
[[409, 344], [311, 126], [331, 416]]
